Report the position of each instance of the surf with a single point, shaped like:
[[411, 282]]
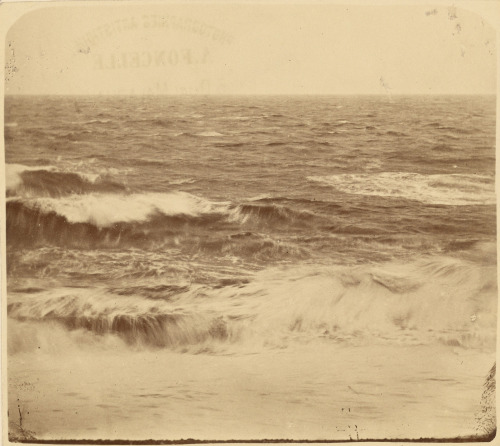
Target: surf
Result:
[[437, 299], [437, 189]]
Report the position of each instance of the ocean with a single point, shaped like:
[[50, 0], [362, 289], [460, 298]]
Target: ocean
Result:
[[250, 267]]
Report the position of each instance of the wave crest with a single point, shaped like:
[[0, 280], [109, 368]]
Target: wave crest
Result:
[[49, 181], [105, 210], [136, 321], [433, 300], [439, 189], [267, 213]]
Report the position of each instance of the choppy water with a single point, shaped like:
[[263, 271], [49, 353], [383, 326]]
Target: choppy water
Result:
[[236, 226]]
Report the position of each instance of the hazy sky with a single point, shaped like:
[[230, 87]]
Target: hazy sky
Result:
[[250, 48]]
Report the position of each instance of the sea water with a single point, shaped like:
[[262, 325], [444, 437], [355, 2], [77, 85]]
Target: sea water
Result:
[[250, 267]]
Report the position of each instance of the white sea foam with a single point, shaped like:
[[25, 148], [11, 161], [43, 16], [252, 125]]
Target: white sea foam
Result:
[[182, 181], [209, 134], [260, 197], [90, 169], [446, 189], [232, 118], [97, 121], [431, 300], [106, 209]]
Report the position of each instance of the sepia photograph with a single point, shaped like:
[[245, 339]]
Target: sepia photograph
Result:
[[249, 222]]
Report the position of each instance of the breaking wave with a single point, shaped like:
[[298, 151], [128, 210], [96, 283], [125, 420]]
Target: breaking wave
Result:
[[209, 134], [105, 210], [433, 300], [440, 189], [269, 213], [49, 181], [107, 220], [136, 321], [154, 219]]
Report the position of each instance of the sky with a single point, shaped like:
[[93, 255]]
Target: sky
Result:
[[260, 48]]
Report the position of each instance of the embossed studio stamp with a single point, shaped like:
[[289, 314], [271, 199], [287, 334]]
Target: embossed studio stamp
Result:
[[159, 47]]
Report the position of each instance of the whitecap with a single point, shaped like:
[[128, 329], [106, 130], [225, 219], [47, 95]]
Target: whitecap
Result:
[[182, 181], [104, 210], [444, 189], [209, 134]]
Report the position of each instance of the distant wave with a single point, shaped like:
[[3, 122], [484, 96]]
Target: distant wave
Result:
[[432, 300], [277, 143], [445, 148], [451, 136], [394, 133], [251, 246], [97, 121], [235, 118], [268, 213], [49, 181], [444, 189], [182, 181], [209, 134], [230, 144], [440, 126]]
